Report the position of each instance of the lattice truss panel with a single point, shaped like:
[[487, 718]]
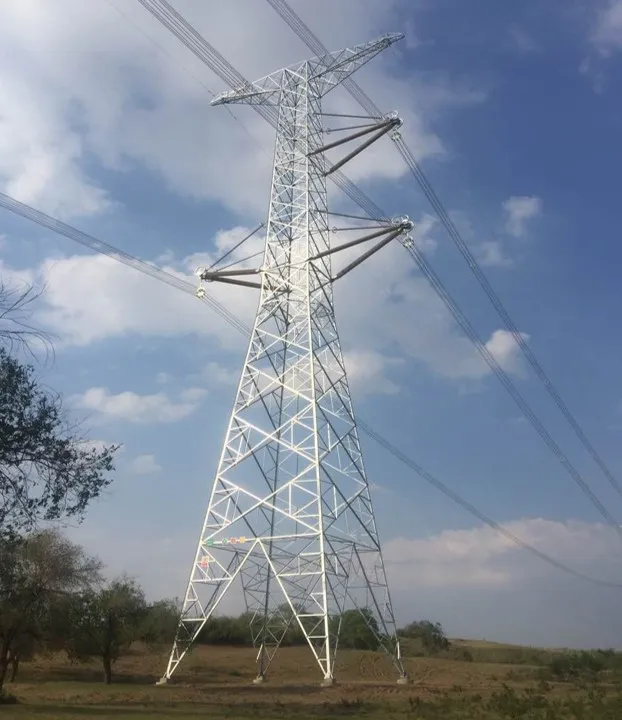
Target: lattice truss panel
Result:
[[290, 516]]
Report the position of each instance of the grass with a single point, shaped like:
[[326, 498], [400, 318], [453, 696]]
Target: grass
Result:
[[216, 682]]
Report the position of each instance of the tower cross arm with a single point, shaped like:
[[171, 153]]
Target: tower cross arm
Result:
[[335, 67], [328, 70], [264, 91]]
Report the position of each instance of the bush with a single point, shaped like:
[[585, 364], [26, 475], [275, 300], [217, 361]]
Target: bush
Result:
[[573, 665], [359, 630], [226, 631], [431, 635]]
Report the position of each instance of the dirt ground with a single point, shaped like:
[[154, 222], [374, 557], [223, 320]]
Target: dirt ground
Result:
[[217, 683]]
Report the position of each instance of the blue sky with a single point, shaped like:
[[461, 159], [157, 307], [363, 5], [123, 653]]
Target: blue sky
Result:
[[515, 115]]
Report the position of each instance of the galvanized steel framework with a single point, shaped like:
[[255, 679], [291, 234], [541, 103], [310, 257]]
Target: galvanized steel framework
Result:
[[290, 513]]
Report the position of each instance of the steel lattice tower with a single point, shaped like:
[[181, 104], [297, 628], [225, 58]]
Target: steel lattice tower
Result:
[[290, 512]]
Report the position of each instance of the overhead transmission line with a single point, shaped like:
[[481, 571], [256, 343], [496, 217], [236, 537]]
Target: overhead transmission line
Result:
[[99, 246], [166, 14], [314, 43], [153, 271], [466, 505], [503, 377]]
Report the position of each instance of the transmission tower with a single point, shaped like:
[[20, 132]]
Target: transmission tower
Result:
[[290, 516]]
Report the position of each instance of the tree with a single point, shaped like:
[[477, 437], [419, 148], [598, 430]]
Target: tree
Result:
[[431, 635], [224, 630], [47, 470], [104, 623], [16, 330], [26, 646], [358, 630], [160, 622], [35, 572]]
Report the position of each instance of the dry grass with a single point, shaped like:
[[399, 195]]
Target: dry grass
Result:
[[216, 682]]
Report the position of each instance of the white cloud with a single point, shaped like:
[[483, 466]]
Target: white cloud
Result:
[[397, 315], [132, 407], [518, 211], [421, 233], [504, 348], [491, 253], [482, 556], [85, 82], [40, 156], [193, 394], [144, 465], [606, 35], [216, 374], [127, 302], [366, 372]]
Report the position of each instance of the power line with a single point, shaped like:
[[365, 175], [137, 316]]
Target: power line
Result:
[[195, 42], [99, 246], [166, 14], [465, 505], [162, 49], [503, 313], [313, 42], [507, 383], [119, 255], [235, 247]]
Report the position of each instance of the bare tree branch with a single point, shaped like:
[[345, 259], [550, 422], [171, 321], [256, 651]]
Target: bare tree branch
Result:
[[17, 332]]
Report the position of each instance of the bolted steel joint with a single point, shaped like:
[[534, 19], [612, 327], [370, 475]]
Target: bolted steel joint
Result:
[[394, 118], [204, 274], [402, 221]]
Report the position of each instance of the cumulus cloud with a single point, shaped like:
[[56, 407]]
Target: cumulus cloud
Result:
[[127, 302], [491, 253], [216, 374], [397, 315], [606, 35], [40, 158], [145, 465], [193, 394], [132, 407], [109, 94], [472, 581], [504, 348], [91, 84], [366, 372], [518, 211], [482, 557]]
